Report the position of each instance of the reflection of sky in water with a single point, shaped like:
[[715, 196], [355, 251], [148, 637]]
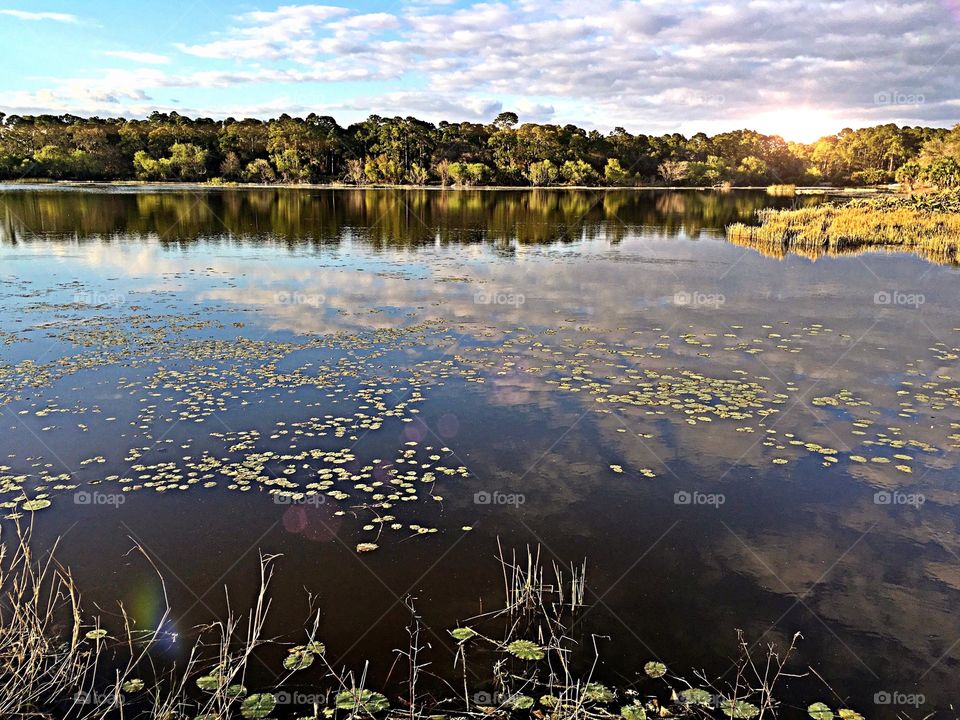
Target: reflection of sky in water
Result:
[[803, 545]]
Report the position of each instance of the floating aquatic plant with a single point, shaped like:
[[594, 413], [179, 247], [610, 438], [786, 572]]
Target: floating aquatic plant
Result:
[[739, 709], [599, 693], [363, 700], [133, 685], [696, 696], [633, 711], [820, 711], [257, 707], [463, 634], [298, 659], [655, 669], [525, 650]]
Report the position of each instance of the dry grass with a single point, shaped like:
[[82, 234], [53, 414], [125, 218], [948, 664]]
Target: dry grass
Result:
[[50, 667], [928, 226], [782, 190], [40, 645]]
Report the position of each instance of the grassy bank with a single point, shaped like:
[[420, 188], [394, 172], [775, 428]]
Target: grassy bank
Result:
[[523, 659], [928, 225]]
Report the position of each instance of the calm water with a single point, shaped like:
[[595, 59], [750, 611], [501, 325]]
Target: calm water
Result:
[[215, 374]]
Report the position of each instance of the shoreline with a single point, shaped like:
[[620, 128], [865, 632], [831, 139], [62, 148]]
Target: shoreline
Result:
[[167, 185]]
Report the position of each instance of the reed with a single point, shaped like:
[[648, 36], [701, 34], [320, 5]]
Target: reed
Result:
[[782, 190], [927, 225], [57, 662]]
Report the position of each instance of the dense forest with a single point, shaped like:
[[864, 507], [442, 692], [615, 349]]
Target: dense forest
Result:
[[399, 150]]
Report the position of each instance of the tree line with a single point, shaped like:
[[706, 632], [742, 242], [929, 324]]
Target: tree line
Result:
[[389, 151]]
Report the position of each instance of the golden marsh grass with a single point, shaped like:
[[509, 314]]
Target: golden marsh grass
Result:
[[782, 190], [928, 226]]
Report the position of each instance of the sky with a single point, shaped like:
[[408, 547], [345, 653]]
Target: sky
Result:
[[798, 68]]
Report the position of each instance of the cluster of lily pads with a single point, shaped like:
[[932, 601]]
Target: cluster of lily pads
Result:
[[194, 384]]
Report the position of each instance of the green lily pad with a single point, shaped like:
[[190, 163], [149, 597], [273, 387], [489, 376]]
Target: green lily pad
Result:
[[696, 696], [596, 692], [633, 711], [258, 706], [34, 505], [133, 685], [740, 710], [363, 700], [525, 650], [520, 702], [209, 682], [463, 634], [98, 634], [655, 669], [820, 711], [298, 660]]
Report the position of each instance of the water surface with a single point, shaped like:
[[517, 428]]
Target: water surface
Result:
[[732, 441]]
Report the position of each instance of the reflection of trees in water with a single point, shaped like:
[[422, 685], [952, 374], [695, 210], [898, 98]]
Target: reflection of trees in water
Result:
[[381, 217]]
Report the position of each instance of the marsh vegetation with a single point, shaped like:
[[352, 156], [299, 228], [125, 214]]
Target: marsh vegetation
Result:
[[926, 224], [520, 659]]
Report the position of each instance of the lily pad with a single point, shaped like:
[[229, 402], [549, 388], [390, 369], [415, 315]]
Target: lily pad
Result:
[[463, 634], [696, 696], [298, 660], [740, 709], [34, 505], [655, 669], [208, 682], [633, 711], [525, 650], [98, 634], [258, 706], [363, 700], [132, 685], [597, 692], [520, 702], [820, 711]]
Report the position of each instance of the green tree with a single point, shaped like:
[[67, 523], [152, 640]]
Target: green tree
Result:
[[542, 173], [187, 161], [752, 171], [259, 171], [506, 120], [417, 175], [614, 173], [578, 172], [469, 173]]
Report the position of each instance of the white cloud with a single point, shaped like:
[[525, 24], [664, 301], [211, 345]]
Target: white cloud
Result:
[[146, 58], [34, 16], [649, 65], [283, 33]]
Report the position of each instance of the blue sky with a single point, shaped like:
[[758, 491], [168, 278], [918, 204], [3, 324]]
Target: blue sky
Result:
[[799, 68]]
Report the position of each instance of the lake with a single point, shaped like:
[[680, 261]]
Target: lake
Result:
[[732, 440]]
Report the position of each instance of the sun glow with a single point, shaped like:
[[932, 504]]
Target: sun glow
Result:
[[799, 124]]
